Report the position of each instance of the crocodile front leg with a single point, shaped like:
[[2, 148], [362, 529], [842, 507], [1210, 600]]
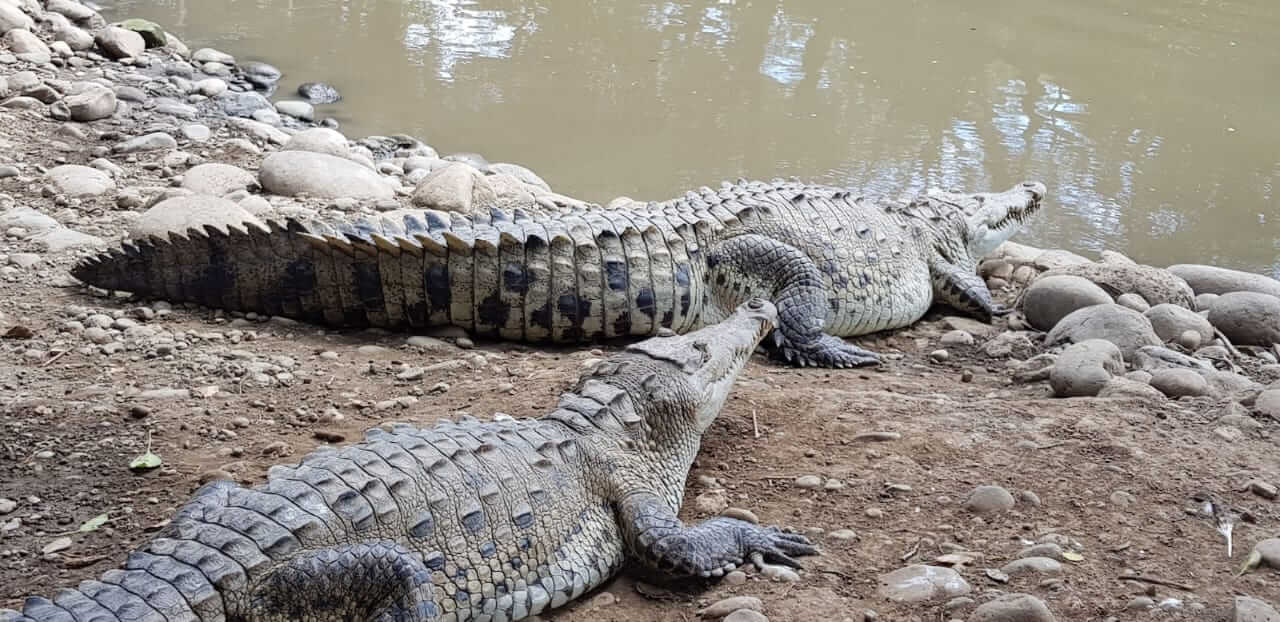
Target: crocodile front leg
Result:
[[755, 265], [964, 290], [657, 538]]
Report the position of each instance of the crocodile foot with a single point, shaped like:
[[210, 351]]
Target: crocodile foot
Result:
[[825, 351], [762, 546]]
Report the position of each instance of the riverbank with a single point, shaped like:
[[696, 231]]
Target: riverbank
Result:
[[955, 454]]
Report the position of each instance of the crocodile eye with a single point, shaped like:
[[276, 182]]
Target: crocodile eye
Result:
[[755, 304]]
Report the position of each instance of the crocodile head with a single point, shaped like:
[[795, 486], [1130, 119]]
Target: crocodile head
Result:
[[690, 375], [990, 218]]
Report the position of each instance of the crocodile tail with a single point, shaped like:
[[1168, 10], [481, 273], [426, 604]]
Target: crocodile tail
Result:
[[578, 276]]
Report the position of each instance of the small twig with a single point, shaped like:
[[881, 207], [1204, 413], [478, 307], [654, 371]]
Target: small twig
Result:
[[1156, 581], [54, 358], [755, 423], [911, 553]]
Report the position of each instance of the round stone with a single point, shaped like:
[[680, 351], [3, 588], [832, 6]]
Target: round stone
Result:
[[1051, 298], [989, 500], [1013, 608]]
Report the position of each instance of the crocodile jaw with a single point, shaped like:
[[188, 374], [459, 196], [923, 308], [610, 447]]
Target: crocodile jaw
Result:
[[709, 360], [997, 216]]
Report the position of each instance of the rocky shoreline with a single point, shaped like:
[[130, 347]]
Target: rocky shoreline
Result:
[[116, 131]]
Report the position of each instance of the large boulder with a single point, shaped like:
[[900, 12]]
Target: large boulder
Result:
[[320, 175], [1214, 280], [1170, 321], [181, 213], [1247, 318], [75, 180], [218, 179], [1049, 299], [1126, 328], [1085, 368], [117, 42], [1155, 285], [11, 18]]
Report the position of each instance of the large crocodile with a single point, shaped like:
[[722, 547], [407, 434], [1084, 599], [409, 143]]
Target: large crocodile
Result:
[[464, 521], [834, 264]]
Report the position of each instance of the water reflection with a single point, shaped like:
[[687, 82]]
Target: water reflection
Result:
[[1152, 130]]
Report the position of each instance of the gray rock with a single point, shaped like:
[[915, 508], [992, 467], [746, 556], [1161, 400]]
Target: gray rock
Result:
[[296, 109], [989, 500], [1249, 609], [1247, 318], [178, 214], [27, 219], [1133, 301], [1190, 339], [152, 34], [724, 607], [117, 42], [196, 132], [7, 506], [1155, 285], [1268, 403], [210, 55], [1013, 608], [319, 93], [21, 41], [474, 160], [1269, 551], [1204, 301], [519, 172], [1213, 280], [1085, 368], [1057, 258], [11, 18], [1049, 299], [1126, 328], [75, 180], [1170, 321], [1032, 565], [457, 187], [217, 179], [260, 131], [1151, 358], [176, 109], [243, 104], [210, 87], [319, 140], [22, 103], [130, 94], [1124, 388], [319, 175], [260, 74], [71, 9], [1178, 383], [922, 584], [149, 142], [75, 38], [746, 615], [1015, 343], [93, 102], [58, 240]]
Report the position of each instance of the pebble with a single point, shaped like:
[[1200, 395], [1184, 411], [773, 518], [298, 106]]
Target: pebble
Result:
[[843, 535], [7, 506], [735, 577], [59, 544], [1013, 608], [741, 514], [318, 93], [154, 141], [1032, 565], [957, 338], [1249, 609], [939, 356], [989, 500], [809, 482], [296, 109], [603, 599], [75, 180], [1133, 301], [724, 607], [1177, 383], [1123, 498], [1263, 489]]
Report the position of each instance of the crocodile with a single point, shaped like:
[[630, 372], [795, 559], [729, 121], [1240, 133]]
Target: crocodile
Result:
[[467, 520], [836, 265]]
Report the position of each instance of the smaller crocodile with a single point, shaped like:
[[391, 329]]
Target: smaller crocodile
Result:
[[494, 521]]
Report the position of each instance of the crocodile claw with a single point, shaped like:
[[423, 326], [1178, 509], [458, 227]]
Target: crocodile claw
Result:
[[825, 351], [770, 545]]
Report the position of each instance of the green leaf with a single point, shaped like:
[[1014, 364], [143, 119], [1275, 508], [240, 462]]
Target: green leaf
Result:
[[146, 461], [93, 523]]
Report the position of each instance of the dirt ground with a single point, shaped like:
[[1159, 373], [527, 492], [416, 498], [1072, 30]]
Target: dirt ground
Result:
[[220, 395]]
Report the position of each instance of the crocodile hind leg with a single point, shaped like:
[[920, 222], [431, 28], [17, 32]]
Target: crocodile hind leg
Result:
[[657, 538], [380, 581], [965, 291], [755, 265]]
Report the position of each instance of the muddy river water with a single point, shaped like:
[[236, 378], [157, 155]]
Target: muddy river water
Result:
[[1156, 125]]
